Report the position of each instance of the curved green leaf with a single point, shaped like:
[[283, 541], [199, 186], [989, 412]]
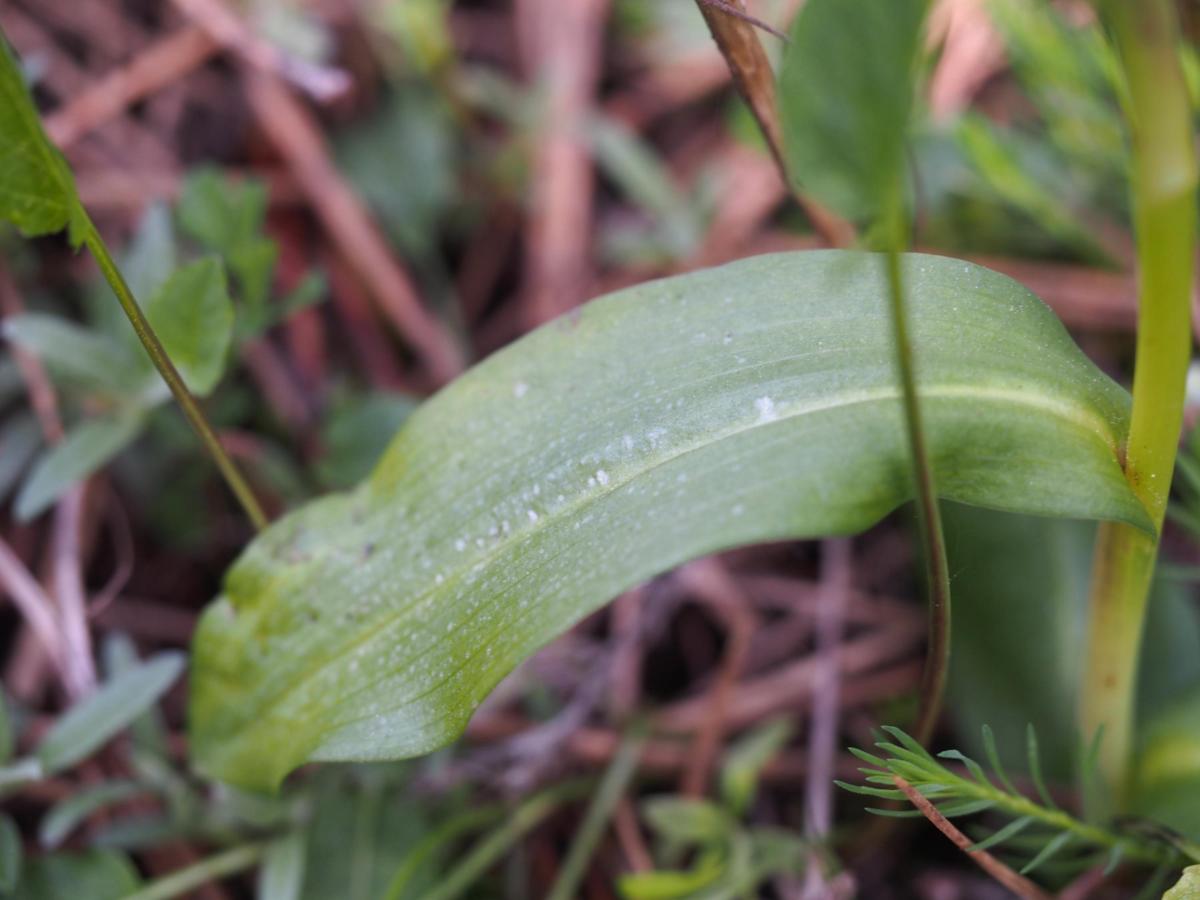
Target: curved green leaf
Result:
[[747, 403]]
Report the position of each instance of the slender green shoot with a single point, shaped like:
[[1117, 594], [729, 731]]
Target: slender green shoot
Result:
[[929, 518], [620, 772], [1164, 208], [177, 884], [162, 362]]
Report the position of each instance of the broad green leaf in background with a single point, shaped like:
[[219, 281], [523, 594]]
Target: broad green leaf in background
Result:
[[1166, 777], [37, 190], [1027, 621], [95, 874], [193, 316], [845, 96], [356, 433], [82, 452], [93, 721], [361, 832], [742, 404]]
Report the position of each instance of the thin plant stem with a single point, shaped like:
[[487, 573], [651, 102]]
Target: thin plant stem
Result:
[[929, 517], [604, 803], [1164, 211], [484, 855], [179, 883], [162, 362]]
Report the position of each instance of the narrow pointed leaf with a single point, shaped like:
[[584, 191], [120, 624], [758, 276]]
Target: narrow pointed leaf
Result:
[[1052, 846], [65, 816], [94, 720], [37, 190], [85, 450], [1015, 827], [748, 403]]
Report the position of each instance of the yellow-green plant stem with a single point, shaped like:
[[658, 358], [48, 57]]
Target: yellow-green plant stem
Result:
[[162, 362], [929, 517], [1164, 211]]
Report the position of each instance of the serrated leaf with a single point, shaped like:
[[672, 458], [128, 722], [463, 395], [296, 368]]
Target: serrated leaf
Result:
[[220, 213], [845, 95], [83, 451], [193, 316], [93, 721], [747, 403], [37, 190]]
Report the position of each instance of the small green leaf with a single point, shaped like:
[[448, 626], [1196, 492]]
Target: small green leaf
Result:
[[85, 357], [845, 94], [10, 854], [93, 721], [281, 876], [65, 816], [687, 821], [37, 190], [82, 452], [742, 404], [671, 885], [745, 759], [193, 316], [220, 213]]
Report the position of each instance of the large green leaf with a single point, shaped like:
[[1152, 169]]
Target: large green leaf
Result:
[[37, 190], [747, 403]]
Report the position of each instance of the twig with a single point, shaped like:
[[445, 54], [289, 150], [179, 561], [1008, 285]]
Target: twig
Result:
[[714, 585], [563, 41], [298, 139], [322, 83], [826, 684], [37, 383], [35, 607], [731, 10], [755, 81], [159, 65], [79, 665], [1018, 884]]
